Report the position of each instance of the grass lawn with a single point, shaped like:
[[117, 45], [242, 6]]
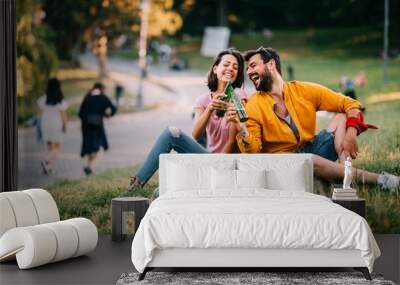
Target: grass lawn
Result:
[[91, 197], [316, 57]]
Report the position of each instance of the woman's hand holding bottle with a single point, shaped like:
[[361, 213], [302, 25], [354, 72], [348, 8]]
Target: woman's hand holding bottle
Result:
[[216, 103]]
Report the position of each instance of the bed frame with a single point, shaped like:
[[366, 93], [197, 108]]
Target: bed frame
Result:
[[246, 258], [242, 259]]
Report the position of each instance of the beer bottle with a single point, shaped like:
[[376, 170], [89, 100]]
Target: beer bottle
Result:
[[241, 112], [230, 96], [229, 91]]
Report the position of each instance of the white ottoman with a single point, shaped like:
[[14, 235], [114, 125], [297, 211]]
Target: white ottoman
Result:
[[31, 232]]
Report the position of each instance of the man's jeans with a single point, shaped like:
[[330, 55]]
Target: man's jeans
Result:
[[170, 139]]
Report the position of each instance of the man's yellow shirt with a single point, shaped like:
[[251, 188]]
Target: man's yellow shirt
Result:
[[270, 134]]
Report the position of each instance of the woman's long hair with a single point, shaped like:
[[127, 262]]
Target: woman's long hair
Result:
[[212, 80], [54, 94]]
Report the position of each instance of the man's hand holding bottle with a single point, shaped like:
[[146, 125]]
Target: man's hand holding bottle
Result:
[[231, 115]]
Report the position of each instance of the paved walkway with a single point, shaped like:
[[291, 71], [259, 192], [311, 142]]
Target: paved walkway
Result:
[[130, 135]]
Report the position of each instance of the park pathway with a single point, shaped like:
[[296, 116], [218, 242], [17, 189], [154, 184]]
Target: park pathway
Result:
[[130, 135]]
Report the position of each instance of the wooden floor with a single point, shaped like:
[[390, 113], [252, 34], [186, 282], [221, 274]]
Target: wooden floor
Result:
[[103, 266], [110, 260]]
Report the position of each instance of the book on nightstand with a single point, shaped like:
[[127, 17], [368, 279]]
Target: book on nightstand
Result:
[[344, 194]]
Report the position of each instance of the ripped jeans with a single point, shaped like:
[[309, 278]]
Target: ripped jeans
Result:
[[170, 139]]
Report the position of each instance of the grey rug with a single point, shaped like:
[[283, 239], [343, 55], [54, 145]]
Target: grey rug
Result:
[[231, 278]]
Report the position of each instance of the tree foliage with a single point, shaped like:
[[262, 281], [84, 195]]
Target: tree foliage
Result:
[[245, 15], [80, 22], [36, 58]]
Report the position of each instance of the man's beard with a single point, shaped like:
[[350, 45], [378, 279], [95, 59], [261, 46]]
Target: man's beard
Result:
[[265, 82]]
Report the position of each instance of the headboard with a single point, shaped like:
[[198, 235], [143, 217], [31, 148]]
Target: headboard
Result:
[[295, 169]]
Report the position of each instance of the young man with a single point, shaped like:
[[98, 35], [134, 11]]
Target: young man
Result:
[[282, 118]]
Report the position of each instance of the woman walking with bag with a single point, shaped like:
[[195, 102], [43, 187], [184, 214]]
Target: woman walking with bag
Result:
[[95, 106]]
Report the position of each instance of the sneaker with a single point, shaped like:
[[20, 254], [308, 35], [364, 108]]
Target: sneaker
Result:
[[134, 184], [88, 171], [388, 181], [45, 167]]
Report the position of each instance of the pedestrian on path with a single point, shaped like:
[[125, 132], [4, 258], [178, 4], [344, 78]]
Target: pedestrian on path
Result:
[[53, 122], [95, 106], [227, 66]]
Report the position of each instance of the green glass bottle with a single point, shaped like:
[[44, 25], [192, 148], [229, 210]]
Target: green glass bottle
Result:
[[229, 92], [240, 110], [230, 96]]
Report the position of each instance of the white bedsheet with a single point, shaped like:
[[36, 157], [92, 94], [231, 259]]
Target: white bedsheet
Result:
[[250, 219]]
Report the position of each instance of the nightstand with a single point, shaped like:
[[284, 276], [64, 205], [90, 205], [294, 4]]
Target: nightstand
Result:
[[120, 208], [355, 205]]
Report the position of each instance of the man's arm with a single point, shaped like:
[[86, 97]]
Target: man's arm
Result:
[[328, 100], [349, 145], [249, 134]]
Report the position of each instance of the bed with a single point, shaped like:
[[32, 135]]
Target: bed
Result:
[[242, 211]]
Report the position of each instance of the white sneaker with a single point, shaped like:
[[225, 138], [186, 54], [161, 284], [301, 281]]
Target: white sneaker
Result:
[[388, 181]]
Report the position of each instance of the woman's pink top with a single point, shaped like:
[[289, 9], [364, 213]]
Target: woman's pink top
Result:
[[217, 128]]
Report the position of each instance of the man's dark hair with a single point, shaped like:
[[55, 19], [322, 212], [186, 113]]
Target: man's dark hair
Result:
[[99, 85], [266, 54], [212, 80]]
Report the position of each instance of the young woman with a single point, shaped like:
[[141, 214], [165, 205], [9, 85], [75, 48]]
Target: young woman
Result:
[[95, 106], [227, 66], [53, 122]]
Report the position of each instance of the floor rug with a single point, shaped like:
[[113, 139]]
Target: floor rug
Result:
[[243, 278]]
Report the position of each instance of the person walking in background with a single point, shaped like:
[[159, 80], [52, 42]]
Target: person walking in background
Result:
[[53, 122], [95, 106], [227, 66]]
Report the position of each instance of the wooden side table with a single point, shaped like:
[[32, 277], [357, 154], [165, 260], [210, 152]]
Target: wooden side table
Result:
[[138, 205], [355, 205]]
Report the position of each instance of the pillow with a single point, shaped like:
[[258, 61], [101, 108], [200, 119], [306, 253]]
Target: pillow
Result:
[[222, 179], [280, 180], [188, 177], [251, 178], [184, 174], [282, 173]]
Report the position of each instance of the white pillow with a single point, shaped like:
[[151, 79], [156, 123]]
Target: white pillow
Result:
[[251, 178], [183, 177], [194, 175], [282, 173], [280, 180], [223, 179]]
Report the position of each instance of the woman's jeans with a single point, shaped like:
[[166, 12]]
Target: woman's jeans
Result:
[[170, 139]]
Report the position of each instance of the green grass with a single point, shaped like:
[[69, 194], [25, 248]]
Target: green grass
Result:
[[318, 57], [91, 197]]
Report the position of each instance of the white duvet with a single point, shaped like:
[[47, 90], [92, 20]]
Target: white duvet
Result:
[[250, 219]]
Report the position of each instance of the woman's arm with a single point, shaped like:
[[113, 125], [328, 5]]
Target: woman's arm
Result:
[[202, 115], [201, 118], [228, 148], [65, 120]]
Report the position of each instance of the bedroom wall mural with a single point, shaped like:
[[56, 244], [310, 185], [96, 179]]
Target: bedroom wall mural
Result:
[[95, 94]]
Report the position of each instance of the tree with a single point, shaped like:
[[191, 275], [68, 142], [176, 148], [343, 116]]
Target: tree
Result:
[[98, 23], [36, 58]]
